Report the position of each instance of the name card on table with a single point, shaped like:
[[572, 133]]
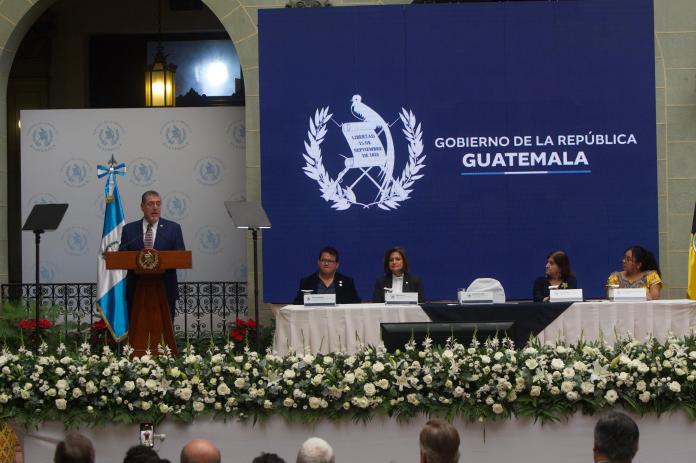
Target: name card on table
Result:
[[319, 299], [565, 295], [475, 297], [400, 298], [627, 294]]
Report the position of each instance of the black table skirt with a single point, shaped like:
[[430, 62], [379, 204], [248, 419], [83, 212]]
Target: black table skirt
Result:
[[530, 317]]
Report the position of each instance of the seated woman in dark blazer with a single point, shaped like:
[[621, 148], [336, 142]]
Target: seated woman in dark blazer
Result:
[[558, 273], [396, 276]]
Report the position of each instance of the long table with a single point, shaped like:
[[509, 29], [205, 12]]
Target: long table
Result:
[[345, 327], [340, 328]]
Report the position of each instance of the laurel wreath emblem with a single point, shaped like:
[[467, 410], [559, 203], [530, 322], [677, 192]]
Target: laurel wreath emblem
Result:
[[397, 191]]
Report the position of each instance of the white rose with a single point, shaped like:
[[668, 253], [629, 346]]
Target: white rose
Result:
[[198, 406], [675, 386], [497, 409], [485, 359], [145, 405], [555, 390], [587, 388], [498, 355], [531, 363], [51, 392], [529, 351], [328, 360], [174, 372], [412, 399], [223, 389], [151, 384], [611, 396], [288, 402], [383, 384], [378, 367], [557, 364], [128, 386], [61, 404], [623, 376], [267, 404], [369, 389], [572, 396], [289, 374], [316, 381], [164, 408], [76, 393], [641, 386], [298, 394], [61, 384], [308, 358], [644, 397], [535, 391], [314, 402], [561, 349], [349, 378], [240, 383], [489, 400], [448, 354], [185, 393], [427, 379], [458, 391], [580, 366], [567, 386], [568, 373]]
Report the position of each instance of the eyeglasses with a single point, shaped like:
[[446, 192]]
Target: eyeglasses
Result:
[[627, 259], [153, 203], [327, 261]]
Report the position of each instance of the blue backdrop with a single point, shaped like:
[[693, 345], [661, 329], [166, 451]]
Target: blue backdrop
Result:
[[479, 136]]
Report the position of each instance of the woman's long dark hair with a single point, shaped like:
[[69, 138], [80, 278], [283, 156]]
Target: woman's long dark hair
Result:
[[645, 258], [560, 258]]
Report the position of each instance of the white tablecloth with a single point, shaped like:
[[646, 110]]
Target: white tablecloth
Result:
[[603, 319], [339, 328]]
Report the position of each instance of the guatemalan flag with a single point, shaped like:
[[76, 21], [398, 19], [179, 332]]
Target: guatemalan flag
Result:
[[111, 284]]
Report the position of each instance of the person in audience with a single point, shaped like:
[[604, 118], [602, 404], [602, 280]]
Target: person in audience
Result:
[[315, 450], [640, 270], [439, 442], [268, 458], [615, 439], [200, 451], [141, 454], [328, 281], [75, 448], [558, 273], [396, 277]]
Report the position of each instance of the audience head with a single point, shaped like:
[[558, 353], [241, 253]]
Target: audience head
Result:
[[315, 450], [328, 261], [141, 454], [268, 458], [395, 261], [200, 451], [558, 262], [615, 438], [638, 259], [439, 442], [75, 448]]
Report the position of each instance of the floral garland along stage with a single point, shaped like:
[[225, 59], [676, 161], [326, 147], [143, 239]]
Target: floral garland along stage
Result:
[[478, 382]]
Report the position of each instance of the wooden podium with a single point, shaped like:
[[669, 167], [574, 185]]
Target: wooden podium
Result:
[[150, 320]]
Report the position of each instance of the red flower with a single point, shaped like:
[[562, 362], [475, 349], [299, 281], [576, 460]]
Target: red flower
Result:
[[99, 325], [240, 329], [31, 324]]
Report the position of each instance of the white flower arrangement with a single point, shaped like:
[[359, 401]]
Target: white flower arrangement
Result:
[[489, 380]]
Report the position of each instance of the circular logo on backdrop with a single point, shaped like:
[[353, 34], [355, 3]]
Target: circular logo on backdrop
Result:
[[142, 171], [75, 172], [209, 239], [240, 274], [176, 205], [236, 134], [175, 135], [208, 171], [42, 136], [47, 272], [41, 198], [75, 239], [108, 134]]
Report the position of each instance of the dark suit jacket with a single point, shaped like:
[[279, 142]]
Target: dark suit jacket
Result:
[[541, 287], [345, 289], [412, 284], [168, 238]]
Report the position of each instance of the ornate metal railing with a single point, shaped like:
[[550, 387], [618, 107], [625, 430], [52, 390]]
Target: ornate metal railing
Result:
[[204, 308]]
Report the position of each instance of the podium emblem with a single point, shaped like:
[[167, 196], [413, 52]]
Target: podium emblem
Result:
[[373, 153], [148, 259]]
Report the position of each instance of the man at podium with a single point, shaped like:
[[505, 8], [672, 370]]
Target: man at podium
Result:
[[154, 232]]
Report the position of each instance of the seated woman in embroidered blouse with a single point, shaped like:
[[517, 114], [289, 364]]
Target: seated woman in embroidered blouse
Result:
[[640, 270], [396, 277], [558, 273]]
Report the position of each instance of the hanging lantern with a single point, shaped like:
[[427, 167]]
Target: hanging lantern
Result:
[[160, 87]]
